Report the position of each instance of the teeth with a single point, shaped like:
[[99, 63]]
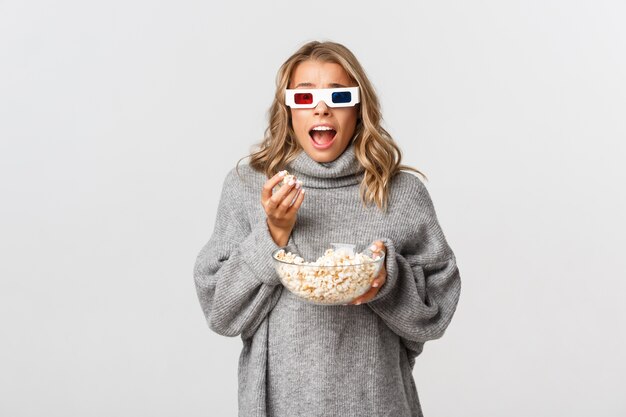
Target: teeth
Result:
[[322, 128]]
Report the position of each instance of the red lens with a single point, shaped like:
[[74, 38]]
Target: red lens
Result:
[[303, 98]]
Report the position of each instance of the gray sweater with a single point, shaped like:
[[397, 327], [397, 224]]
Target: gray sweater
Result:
[[303, 359]]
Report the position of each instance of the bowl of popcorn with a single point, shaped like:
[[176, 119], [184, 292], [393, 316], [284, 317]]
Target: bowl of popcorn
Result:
[[337, 277]]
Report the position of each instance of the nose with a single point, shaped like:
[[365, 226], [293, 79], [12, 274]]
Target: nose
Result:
[[322, 108]]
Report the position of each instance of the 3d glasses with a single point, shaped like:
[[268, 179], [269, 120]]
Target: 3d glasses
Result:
[[303, 98]]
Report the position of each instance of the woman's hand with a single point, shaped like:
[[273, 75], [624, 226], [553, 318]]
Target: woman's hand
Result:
[[380, 279], [280, 217]]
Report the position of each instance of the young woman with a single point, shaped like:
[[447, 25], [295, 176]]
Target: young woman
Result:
[[304, 359]]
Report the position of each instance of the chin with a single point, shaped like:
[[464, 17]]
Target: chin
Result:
[[324, 158]]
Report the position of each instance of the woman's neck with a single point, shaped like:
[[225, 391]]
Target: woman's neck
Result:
[[343, 171]]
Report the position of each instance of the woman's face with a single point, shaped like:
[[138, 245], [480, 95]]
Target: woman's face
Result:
[[323, 147]]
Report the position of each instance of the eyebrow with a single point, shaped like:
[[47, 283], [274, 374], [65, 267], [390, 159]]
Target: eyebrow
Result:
[[330, 85]]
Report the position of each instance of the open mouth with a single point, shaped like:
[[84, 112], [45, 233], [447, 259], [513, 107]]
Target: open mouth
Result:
[[323, 138]]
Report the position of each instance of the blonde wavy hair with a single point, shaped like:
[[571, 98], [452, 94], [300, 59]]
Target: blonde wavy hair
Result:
[[374, 147]]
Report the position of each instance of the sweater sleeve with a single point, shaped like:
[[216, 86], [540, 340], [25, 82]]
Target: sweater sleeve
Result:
[[235, 279], [423, 283]]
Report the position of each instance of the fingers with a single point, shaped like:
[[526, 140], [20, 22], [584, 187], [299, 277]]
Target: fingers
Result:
[[377, 246], [380, 279], [284, 196], [378, 282], [371, 293], [296, 205], [378, 249], [287, 194], [289, 198], [269, 185]]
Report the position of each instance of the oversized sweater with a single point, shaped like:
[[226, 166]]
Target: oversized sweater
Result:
[[304, 359]]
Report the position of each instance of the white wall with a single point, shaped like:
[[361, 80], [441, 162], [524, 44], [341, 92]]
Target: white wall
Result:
[[120, 119]]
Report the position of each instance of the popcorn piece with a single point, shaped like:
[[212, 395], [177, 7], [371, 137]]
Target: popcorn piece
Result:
[[288, 177]]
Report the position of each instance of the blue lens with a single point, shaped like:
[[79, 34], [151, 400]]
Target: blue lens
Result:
[[342, 97]]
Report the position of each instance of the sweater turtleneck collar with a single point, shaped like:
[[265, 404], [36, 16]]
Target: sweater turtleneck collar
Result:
[[343, 171]]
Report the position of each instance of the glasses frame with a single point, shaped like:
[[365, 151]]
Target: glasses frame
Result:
[[322, 94]]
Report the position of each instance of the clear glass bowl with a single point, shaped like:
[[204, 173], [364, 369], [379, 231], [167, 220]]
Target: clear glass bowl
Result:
[[329, 284]]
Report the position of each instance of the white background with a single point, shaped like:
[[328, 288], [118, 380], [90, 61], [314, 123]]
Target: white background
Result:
[[119, 121]]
